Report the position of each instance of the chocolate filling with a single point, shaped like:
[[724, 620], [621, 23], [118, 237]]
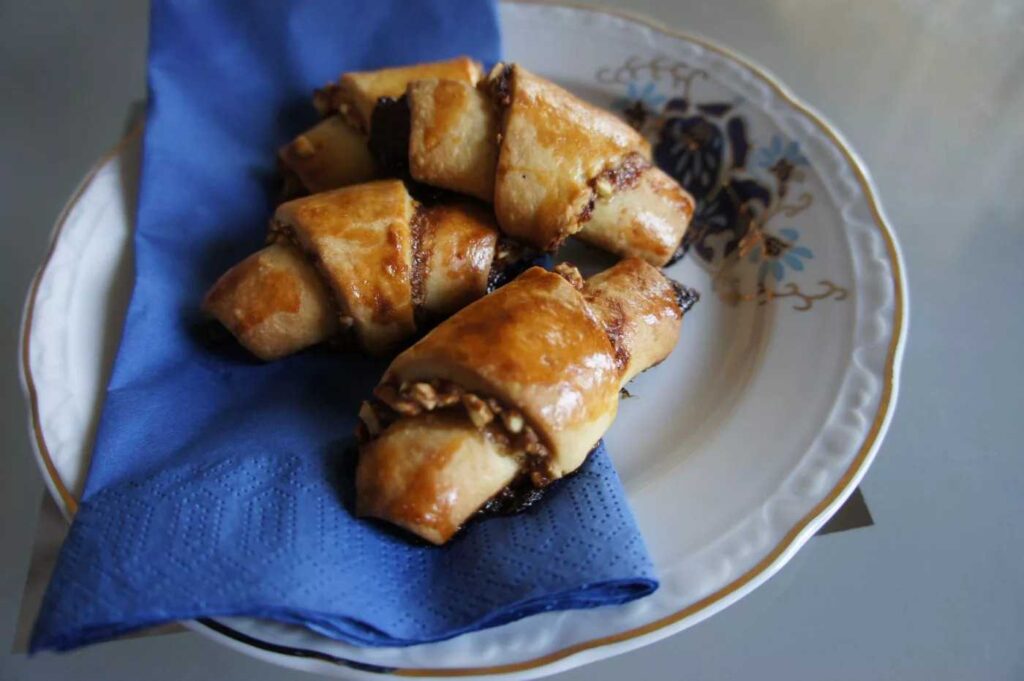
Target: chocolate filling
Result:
[[614, 329], [588, 210], [516, 497], [520, 494], [390, 128]]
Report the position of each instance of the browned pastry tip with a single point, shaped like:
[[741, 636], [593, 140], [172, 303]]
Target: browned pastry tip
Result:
[[416, 476], [642, 213], [273, 302], [329, 155], [640, 311]]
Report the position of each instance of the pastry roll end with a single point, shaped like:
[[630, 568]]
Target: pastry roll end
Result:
[[329, 155], [553, 145], [355, 95], [645, 216], [514, 390], [533, 345], [273, 302], [430, 473], [640, 311]]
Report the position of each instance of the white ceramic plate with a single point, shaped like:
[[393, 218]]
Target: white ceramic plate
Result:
[[733, 452]]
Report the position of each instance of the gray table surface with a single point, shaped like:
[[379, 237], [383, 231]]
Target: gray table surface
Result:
[[932, 96]]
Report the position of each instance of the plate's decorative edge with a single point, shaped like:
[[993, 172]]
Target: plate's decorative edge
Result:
[[767, 566], [65, 499]]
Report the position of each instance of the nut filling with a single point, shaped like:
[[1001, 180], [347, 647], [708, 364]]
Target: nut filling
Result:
[[572, 275], [624, 176], [492, 417]]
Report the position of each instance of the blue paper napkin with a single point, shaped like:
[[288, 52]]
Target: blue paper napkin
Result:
[[223, 486]]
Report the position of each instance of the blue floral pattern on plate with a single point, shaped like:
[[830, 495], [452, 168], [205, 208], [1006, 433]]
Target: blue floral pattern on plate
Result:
[[740, 185]]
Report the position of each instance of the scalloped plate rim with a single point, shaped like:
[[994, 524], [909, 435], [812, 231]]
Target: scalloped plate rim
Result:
[[605, 646]]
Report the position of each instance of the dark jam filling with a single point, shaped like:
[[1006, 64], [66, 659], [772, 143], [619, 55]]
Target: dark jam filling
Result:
[[686, 297], [516, 497], [501, 87], [615, 327], [627, 173], [512, 258], [588, 210], [390, 127]]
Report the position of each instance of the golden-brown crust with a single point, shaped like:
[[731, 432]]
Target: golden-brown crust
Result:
[[646, 220], [638, 308], [553, 144], [430, 473], [360, 238], [357, 92], [457, 248], [533, 344], [453, 141], [329, 155], [273, 302]]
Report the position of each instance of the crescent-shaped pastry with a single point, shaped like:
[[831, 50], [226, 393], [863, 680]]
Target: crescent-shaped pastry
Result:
[[515, 389], [334, 152], [367, 263], [561, 166]]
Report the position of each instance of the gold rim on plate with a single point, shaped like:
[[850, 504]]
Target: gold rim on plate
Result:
[[844, 486]]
